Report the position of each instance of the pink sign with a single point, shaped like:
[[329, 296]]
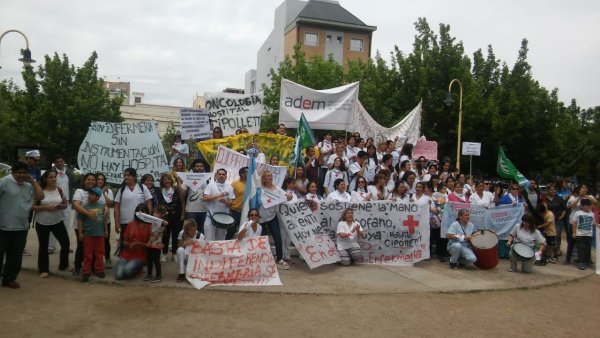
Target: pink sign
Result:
[[427, 149]]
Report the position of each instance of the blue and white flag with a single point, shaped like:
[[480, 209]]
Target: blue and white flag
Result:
[[252, 192]]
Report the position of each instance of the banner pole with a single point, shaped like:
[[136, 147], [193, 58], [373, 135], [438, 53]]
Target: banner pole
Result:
[[471, 166]]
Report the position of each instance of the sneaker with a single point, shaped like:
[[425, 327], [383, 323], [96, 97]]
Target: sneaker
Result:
[[76, 272], [147, 278], [453, 266], [511, 270], [552, 260], [26, 253], [157, 279], [283, 265], [85, 278], [581, 266], [100, 275], [180, 278], [108, 264], [163, 258], [44, 275]]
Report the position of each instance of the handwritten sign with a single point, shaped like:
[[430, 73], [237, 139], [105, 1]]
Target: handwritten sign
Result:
[[397, 233], [309, 237], [195, 181], [113, 147], [194, 123], [234, 111], [248, 262], [427, 149], [232, 162]]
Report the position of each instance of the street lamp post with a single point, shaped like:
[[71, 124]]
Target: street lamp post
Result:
[[26, 53], [449, 102]]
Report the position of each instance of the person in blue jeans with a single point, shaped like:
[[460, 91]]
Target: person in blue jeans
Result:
[[458, 235], [133, 251]]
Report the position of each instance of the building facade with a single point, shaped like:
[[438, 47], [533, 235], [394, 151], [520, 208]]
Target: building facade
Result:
[[320, 27]]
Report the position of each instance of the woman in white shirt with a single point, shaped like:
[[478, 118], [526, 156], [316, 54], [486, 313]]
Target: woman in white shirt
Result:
[[378, 190], [251, 228], [481, 196], [337, 172], [347, 233], [360, 193], [400, 193], [80, 199], [49, 219], [339, 194], [312, 197]]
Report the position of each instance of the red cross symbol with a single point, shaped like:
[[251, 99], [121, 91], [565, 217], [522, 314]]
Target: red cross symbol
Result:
[[194, 182], [269, 201], [411, 223]]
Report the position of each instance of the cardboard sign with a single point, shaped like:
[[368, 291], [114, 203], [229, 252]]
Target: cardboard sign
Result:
[[234, 111], [194, 123], [232, 162], [427, 149]]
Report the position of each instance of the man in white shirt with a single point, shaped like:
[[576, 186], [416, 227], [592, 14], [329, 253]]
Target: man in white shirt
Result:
[[357, 169], [326, 148], [64, 180], [218, 196]]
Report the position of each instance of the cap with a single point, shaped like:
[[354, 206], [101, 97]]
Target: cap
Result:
[[33, 153], [96, 191]]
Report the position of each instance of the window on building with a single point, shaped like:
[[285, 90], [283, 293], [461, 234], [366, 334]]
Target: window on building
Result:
[[137, 99], [356, 45], [340, 39], [311, 39], [329, 38]]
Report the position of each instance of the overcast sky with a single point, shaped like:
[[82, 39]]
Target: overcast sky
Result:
[[171, 50]]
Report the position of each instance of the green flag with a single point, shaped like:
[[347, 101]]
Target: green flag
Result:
[[306, 135], [506, 169]]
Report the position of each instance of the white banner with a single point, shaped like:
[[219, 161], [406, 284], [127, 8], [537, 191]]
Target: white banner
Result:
[[500, 219], [331, 109], [397, 233], [270, 199], [234, 111], [308, 236], [232, 161], [407, 130], [248, 262], [194, 123], [195, 181], [113, 147]]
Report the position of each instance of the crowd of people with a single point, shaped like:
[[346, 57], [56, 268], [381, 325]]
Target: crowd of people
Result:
[[352, 169]]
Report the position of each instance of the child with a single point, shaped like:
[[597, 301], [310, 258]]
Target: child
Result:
[[582, 233], [347, 233], [155, 245], [549, 231], [251, 228], [93, 232], [186, 237]]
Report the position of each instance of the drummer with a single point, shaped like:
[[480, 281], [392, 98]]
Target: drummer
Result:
[[527, 234], [218, 195], [459, 234]]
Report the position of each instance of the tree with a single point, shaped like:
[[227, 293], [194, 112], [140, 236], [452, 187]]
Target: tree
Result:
[[59, 102]]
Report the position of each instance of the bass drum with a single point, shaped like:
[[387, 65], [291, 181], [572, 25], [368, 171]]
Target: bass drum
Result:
[[485, 247], [523, 252]]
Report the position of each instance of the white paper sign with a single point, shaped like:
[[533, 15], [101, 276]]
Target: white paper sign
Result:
[[113, 147], [331, 109], [232, 162], [194, 123], [271, 199], [309, 238], [471, 148], [195, 181], [248, 262], [234, 111]]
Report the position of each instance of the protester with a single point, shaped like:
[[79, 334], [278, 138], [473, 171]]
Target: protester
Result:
[[574, 205], [169, 197], [107, 199], [326, 148], [186, 237], [458, 235], [133, 254], [235, 210], [481, 196], [66, 182], [347, 233], [372, 163], [80, 199], [512, 197], [251, 228], [312, 163], [548, 229], [179, 150], [32, 158], [155, 243], [312, 196], [339, 194], [339, 153], [128, 197], [218, 196], [290, 189], [148, 181], [178, 166], [378, 189], [18, 190], [557, 205], [360, 193], [92, 231], [458, 195], [410, 178], [400, 193], [49, 219], [268, 215], [195, 207], [527, 234], [338, 171], [274, 160], [357, 169], [583, 222], [301, 181]]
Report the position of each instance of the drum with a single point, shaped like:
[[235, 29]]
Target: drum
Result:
[[523, 252], [485, 247], [222, 220]]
